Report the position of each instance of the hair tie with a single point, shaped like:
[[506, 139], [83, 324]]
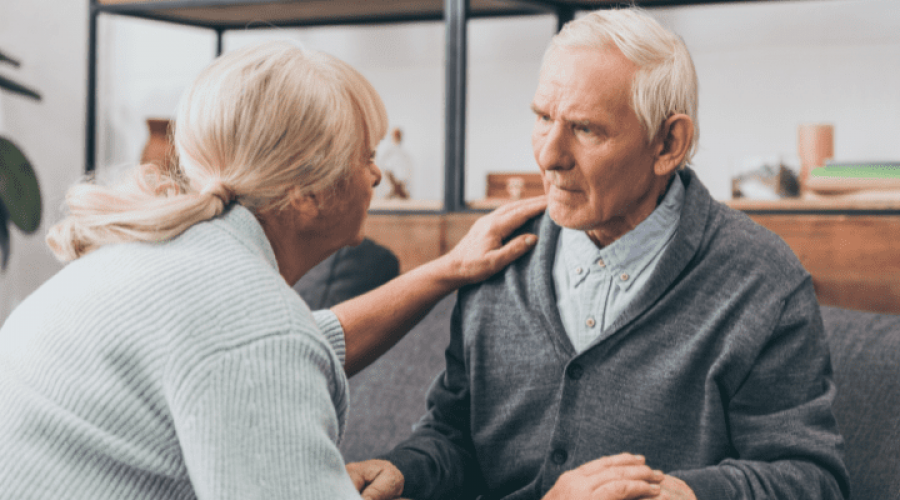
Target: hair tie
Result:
[[219, 190]]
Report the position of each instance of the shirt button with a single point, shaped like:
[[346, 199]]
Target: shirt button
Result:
[[590, 322], [559, 456], [601, 263], [575, 371], [579, 270], [624, 276]]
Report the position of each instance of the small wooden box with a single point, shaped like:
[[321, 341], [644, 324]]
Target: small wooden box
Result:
[[514, 185]]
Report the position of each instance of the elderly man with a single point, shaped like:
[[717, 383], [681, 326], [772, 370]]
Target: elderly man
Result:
[[656, 344]]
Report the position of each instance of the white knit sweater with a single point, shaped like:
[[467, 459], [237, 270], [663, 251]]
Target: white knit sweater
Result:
[[178, 370]]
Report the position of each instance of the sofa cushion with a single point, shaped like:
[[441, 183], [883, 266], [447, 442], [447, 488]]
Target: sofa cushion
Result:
[[349, 272], [388, 397], [865, 354]]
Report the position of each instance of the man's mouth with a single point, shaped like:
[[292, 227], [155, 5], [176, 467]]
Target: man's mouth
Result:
[[564, 187], [554, 180]]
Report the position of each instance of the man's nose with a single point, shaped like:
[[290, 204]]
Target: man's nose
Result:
[[553, 153]]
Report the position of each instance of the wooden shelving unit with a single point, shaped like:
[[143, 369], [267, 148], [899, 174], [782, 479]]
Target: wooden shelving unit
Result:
[[224, 15], [846, 242]]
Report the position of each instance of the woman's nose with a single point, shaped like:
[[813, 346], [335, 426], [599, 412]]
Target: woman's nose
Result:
[[376, 173]]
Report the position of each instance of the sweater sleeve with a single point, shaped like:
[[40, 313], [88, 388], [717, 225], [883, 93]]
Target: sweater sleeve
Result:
[[438, 460], [782, 427], [259, 421], [331, 328]]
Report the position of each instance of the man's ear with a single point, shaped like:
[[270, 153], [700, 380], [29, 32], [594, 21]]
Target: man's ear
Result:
[[675, 136]]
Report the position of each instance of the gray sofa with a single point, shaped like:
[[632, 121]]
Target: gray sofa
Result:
[[387, 398]]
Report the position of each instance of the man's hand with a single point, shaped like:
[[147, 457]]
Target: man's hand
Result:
[[672, 488], [618, 477], [376, 479], [481, 253]]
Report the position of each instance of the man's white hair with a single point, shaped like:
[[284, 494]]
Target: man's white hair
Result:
[[666, 81]]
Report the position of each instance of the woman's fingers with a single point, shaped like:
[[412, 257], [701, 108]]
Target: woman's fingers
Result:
[[513, 249], [376, 479], [482, 252], [512, 215]]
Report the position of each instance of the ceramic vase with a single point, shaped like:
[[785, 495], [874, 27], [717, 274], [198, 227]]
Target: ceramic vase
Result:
[[158, 149]]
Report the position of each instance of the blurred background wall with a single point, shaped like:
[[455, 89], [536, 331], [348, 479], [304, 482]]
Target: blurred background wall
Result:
[[49, 38]]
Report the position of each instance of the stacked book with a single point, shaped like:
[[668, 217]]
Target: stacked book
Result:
[[844, 178]]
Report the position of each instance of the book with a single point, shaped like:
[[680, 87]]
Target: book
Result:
[[841, 177]]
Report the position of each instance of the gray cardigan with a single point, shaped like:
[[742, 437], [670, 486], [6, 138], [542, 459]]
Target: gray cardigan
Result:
[[718, 373]]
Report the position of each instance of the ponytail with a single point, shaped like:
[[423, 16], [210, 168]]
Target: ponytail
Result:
[[149, 206]]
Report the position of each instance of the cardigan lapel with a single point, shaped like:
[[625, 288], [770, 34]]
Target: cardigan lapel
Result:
[[542, 292], [684, 246]]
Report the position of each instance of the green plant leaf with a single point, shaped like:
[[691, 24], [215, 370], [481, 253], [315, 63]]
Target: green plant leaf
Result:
[[19, 190], [18, 88], [8, 60]]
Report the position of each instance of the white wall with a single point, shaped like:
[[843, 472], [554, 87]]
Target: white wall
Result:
[[767, 67], [143, 66], [49, 37], [404, 62], [764, 68]]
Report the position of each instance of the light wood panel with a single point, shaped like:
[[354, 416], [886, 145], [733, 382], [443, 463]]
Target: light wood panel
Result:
[[415, 239], [456, 226], [853, 259]]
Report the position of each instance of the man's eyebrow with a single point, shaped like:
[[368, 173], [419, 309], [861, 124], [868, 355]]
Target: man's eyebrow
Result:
[[582, 123], [537, 110]]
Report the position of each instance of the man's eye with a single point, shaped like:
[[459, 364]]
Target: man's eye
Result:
[[583, 129]]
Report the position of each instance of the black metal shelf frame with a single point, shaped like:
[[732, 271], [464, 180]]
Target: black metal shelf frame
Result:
[[455, 15]]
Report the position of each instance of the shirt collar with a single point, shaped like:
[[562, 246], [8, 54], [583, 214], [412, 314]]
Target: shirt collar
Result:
[[627, 257]]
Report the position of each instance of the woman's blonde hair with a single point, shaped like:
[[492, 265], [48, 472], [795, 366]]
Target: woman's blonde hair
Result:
[[666, 81], [257, 123]]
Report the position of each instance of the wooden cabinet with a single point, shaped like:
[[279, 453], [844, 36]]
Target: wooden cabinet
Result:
[[849, 248], [419, 238]]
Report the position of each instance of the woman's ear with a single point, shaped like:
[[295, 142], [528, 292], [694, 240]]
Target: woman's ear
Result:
[[306, 205], [675, 135]]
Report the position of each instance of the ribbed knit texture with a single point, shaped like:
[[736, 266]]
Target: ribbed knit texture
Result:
[[179, 370]]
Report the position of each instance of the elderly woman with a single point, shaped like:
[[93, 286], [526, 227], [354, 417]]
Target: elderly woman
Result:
[[170, 359]]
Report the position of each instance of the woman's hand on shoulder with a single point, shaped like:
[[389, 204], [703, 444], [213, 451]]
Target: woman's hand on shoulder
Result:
[[483, 251]]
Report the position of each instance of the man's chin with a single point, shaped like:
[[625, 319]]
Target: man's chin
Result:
[[565, 217]]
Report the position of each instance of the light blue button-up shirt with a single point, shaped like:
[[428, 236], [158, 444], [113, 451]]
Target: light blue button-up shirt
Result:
[[593, 285]]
